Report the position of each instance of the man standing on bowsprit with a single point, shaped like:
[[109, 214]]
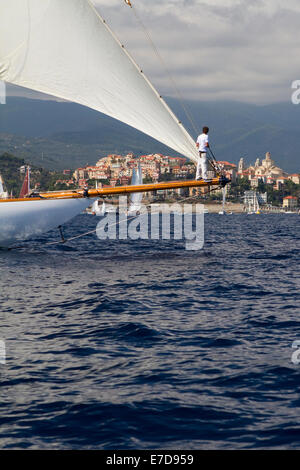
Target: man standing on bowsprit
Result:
[[202, 146]]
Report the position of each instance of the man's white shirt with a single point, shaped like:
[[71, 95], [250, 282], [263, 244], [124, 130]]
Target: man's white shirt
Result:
[[203, 141]]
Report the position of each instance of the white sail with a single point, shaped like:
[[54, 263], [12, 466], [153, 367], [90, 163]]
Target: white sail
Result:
[[64, 48], [136, 198], [3, 194]]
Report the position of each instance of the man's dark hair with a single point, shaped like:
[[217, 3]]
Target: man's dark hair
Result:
[[205, 130]]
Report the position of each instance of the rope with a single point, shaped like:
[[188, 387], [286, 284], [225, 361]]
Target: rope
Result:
[[125, 220], [63, 240], [213, 161]]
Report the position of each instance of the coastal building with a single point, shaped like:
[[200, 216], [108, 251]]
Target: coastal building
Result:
[[280, 182], [241, 166], [251, 196], [265, 171], [290, 202]]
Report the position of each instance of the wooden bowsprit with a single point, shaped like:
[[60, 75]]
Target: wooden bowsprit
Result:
[[143, 188]]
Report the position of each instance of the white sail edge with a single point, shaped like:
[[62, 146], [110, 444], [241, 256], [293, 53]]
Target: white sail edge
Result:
[[187, 136], [179, 140]]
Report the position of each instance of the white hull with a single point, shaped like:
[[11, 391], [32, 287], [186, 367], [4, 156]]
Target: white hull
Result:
[[21, 220]]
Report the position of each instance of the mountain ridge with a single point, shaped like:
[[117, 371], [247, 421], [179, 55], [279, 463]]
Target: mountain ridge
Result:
[[66, 135]]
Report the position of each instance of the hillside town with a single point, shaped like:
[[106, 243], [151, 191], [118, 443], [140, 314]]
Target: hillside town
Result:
[[115, 170], [263, 180]]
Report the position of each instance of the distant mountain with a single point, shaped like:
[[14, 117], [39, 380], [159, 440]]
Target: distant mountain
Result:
[[61, 135]]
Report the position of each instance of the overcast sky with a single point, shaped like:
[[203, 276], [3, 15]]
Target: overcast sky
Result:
[[245, 50]]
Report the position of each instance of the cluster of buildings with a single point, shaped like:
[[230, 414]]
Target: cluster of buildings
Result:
[[267, 172], [117, 169]]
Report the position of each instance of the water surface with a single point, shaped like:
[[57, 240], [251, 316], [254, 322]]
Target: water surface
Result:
[[141, 344]]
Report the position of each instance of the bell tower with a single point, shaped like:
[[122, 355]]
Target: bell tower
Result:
[[241, 166]]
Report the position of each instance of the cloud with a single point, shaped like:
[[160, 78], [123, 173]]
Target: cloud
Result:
[[214, 49]]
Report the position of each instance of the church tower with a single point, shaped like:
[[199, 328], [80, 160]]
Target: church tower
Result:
[[241, 166], [268, 162]]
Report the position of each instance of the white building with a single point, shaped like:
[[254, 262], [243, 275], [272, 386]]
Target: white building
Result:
[[251, 196]]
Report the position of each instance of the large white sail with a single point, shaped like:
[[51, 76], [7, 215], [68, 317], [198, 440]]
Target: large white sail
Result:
[[64, 48]]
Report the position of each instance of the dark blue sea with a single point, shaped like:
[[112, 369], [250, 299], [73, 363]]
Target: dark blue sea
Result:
[[144, 345]]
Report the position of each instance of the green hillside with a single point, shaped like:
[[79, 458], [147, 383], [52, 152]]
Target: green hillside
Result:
[[13, 179]]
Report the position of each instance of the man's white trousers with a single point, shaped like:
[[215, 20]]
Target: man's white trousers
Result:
[[202, 166]]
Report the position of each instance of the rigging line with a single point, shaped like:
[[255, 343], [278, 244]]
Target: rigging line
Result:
[[212, 163], [214, 158], [112, 225], [216, 164], [63, 240], [211, 152], [171, 79], [186, 135]]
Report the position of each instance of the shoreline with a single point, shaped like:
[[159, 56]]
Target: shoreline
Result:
[[213, 208]]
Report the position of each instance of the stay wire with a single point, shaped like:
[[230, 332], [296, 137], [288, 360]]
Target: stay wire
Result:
[[63, 240], [127, 219], [172, 81], [169, 75], [216, 164]]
